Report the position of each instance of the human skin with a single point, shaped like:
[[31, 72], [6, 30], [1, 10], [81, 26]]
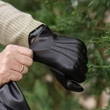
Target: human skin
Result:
[[11, 60]]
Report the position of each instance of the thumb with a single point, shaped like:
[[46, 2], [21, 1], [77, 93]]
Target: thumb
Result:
[[74, 86], [66, 82]]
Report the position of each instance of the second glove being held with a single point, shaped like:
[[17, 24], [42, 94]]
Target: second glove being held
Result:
[[65, 56]]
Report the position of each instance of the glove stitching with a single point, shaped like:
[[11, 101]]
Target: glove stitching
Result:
[[72, 42], [61, 52], [65, 54], [67, 42], [70, 49]]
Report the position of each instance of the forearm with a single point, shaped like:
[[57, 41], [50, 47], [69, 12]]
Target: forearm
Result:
[[15, 25]]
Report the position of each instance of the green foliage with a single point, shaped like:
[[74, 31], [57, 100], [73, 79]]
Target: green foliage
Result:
[[40, 97], [85, 20]]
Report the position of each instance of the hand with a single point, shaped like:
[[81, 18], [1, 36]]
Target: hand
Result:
[[14, 63], [66, 57]]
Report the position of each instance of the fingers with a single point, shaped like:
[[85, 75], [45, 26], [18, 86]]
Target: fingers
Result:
[[22, 50], [20, 54], [14, 63], [23, 55], [15, 76], [81, 52], [11, 75], [78, 75], [81, 44], [24, 70], [25, 60], [21, 68], [25, 51], [78, 69]]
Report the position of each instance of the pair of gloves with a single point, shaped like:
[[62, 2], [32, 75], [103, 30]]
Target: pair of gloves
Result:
[[66, 57]]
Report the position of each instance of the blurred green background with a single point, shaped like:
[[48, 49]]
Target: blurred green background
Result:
[[87, 20]]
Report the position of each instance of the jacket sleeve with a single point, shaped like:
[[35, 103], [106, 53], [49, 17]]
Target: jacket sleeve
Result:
[[15, 25]]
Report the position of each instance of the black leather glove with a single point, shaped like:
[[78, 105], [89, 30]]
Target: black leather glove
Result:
[[11, 98], [65, 56]]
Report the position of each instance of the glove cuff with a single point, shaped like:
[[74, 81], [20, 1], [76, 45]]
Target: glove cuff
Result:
[[35, 33]]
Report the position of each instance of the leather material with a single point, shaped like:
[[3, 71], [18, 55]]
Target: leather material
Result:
[[11, 98], [66, 57]]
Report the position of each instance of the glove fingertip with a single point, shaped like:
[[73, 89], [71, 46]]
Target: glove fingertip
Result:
[[73, 86]]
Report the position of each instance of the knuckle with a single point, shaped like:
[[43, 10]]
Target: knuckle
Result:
[[8, 54], [10, 46]]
